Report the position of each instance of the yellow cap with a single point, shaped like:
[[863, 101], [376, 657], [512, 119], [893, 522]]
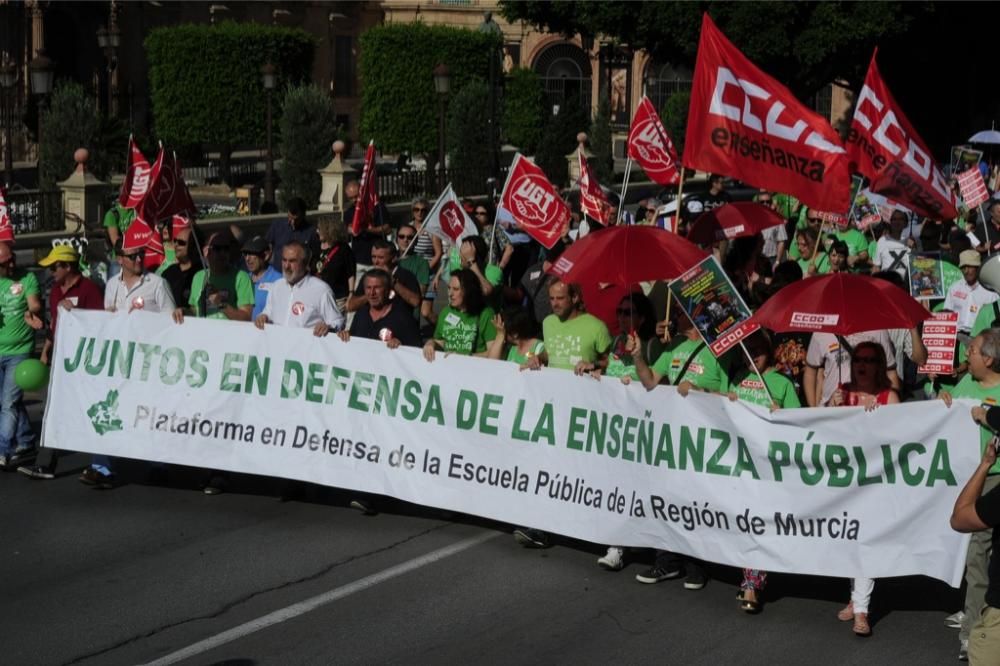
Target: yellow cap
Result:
[[64, 253]]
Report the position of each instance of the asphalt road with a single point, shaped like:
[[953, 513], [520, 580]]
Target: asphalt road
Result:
[[149, 574]]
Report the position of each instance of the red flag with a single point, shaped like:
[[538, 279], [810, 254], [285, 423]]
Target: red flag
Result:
[[743, 123], [6, 226], [364, 207], [179, 223], [141, 236], [651, 147], [136, 181], [592, 199], [167, 194], [534, 202], [884, 147]]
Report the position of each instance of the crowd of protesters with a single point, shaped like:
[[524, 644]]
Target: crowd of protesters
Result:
[[492, 296]]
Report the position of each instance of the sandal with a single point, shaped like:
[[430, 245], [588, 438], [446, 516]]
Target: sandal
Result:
[[751, 606], [861, 626], [846, 614]]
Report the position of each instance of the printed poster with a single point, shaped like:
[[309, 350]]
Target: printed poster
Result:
[[714, 306], [939, 335], [926, 276]]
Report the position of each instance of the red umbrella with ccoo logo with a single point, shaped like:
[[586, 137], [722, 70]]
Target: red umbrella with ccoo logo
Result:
[[841, 303]]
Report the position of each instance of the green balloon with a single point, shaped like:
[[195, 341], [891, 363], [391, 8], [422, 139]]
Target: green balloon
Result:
[[31, 374]]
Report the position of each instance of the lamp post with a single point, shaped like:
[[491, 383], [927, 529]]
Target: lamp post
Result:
[[269, 76], [8, 78], [41, 72], [442, 86], [109, 39], [490, 27]]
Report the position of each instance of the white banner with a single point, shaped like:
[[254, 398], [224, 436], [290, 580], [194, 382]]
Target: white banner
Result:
[[835, 491]]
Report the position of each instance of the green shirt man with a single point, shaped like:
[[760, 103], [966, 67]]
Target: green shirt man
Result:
[[232, 288]]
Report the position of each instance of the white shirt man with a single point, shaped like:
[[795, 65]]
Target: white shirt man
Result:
[[299, 300], [968, 297], [131, 289]]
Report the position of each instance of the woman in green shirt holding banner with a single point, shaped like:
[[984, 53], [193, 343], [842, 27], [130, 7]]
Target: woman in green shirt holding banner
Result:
[[518, 333], [465, 325]]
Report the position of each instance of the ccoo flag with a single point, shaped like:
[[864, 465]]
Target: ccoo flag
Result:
[[650, 145], [448, 220], [743, 123], [884, 147], [534, 202]]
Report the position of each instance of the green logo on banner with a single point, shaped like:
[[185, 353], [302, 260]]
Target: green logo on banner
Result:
[[104, 414]]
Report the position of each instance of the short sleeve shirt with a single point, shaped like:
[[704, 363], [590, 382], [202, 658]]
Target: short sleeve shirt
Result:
[[398, 323], [822, 264], [16, 337], [261, 288], [704, 371], [582, 338], [234, 288], [748, 388], [967, 302], [151, 293], [464, 333], [825, 351], [987, 397]]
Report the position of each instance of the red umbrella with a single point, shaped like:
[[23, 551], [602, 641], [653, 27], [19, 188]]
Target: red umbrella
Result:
[[626, 255], [733, 220], [840, 303]]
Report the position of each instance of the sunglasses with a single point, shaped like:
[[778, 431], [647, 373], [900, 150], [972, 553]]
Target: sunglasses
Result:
[[419, 210], [54, 267], [763, 201], [180, 242], [404, 236], [131, 257], [814, 220], [253, 254], [870, 360]]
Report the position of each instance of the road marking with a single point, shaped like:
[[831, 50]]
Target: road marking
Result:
[[303, 607]]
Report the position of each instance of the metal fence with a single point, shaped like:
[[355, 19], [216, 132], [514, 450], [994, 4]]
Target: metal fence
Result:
[[240, 173], [414, 183], [35, 210]]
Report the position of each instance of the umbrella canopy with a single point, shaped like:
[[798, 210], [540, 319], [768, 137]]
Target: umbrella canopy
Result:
[[986, 136], [733, 220], [626, 255], [840, 303]]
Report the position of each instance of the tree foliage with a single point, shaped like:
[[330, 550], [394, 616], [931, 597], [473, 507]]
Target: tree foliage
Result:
[[399, 107], [559, 139], [523, 110], [205, 80], [603, 161], [306, 133], [469, 137], [674, 115]]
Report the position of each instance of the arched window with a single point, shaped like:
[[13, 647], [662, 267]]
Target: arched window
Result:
[[565, 71], [662, 81]]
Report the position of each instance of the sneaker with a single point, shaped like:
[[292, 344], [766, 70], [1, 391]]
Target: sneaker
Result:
[[531, 538], [364, 506], [955, 620], [105, 481], [90, 477], [23, 455], [36, 472], [5, 462], [613, 560], [963, 651], [215, 486], [695, 580], [658, 574]]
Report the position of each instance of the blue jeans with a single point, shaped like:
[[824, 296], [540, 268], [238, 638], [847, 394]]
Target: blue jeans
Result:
[[15, 428]]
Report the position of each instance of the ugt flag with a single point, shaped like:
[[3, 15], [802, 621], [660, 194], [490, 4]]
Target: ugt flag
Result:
[[137, 176], [6, 225], [364, 207], [884, 147], [743, 123], [651, 147], [592, 199], [167, 194], [534, 202], [448, 220]]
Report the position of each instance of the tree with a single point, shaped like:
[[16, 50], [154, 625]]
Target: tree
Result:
[[399, 107], [559, 139], [69, 121], [523, 110], [206, 85], [674, 115], [306, 132], [469, 138], [600, 144]]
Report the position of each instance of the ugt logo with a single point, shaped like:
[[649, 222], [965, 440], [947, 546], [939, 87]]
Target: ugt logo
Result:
[[533, 202]]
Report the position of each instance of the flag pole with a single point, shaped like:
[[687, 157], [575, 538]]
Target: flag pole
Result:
[[621, 199], [753, 366], [677, 210]]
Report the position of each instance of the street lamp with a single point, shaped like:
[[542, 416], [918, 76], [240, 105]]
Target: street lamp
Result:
[[269, 76], [442, 86], [41, 72], [491, 27], [109, 39], [8, 79]]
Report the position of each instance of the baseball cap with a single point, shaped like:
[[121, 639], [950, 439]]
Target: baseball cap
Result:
[[64, 253], [256, 245], [969, 258]]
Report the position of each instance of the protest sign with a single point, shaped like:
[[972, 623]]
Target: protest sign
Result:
[[964, 158], [865, 494], [972, 187], [926, 278], [712, 303], [939, 335]]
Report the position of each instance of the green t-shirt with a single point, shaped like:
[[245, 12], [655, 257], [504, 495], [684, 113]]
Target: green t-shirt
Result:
[[235, 286], [514, 356], [16, 337], [169, 259], [119, 216], [855, 240], [786, 204], [621, 364], [463, 333], [705, 371], [988, 397], [985, 319], [748, 388], [418, 266], [822, 264], [582, 338], [492, 273]]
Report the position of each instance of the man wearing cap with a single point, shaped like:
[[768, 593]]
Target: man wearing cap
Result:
[[257, 257], [300, 300], [381, 318], [20, 306], [220, 291], [969, 297], [70, 290]]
